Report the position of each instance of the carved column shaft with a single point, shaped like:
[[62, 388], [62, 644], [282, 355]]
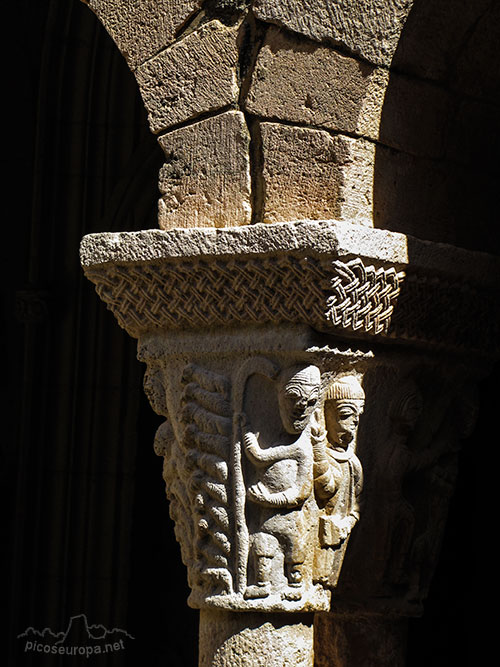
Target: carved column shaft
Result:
[[229, 639]]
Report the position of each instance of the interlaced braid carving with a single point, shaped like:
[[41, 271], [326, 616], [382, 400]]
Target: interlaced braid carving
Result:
[[363, 297], [195, 293], [448, 312]]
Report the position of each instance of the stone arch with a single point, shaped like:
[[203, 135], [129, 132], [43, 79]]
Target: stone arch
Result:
[[363, 111], [265, 111], [435, 168]]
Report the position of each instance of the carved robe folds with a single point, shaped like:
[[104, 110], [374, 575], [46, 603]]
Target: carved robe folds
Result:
[[315, 379]]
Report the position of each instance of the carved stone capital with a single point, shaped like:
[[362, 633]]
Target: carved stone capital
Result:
[[259, 461], [315, 380]]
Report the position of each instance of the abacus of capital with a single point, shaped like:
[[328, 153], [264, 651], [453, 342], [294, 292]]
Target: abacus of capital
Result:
[[306, 372]]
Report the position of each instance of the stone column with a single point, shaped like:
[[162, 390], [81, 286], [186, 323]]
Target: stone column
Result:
[[315, 380]]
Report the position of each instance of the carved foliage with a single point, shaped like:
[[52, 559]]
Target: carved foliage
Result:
[[205, 445], [264, 473]]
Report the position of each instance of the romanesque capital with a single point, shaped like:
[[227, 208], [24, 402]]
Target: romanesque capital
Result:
[[306, 374]]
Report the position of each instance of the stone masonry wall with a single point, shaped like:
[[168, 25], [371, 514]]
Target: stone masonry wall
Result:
[[278, 110]]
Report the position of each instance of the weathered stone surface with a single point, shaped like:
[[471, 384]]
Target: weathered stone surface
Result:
[[141, 28], [195, 76], [260, 462], [248, 640], [205, 180], [309, 174], [298, 272], [268, 528], [361, 640], [370, 28], [328, 237], [266, 425], [301, 81]]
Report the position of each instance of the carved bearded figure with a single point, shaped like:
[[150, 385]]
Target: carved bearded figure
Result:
[[284, 486], [338, 476]]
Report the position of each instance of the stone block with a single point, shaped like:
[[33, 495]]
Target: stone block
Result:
[[471, 76], [310, 174], [422, 192], [433, 32], [195, 76], [369, 28], [415, 116], [301, 81], [205, 180], [141, 28]]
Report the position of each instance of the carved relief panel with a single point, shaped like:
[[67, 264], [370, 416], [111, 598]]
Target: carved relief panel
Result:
[[282, 443], [273, 453], [260, 469], [421, 408]]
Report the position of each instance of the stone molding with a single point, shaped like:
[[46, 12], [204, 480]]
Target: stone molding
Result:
[[335, 277]]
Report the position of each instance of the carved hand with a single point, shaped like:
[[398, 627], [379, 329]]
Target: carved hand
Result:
[[260, 494], [318, 438]]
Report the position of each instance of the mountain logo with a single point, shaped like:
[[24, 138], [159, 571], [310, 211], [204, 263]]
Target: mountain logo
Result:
[[79, 638]]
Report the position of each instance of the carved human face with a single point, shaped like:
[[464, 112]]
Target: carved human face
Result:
[[298, 395], [296, 406], [341, 420]]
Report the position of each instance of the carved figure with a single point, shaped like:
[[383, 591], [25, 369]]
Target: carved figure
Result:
[[338, 476], [398, 516], [285, 483]]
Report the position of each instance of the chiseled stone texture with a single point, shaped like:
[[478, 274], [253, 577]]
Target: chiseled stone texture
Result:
[[205, 180], [301, 81], [194, 76], [251, 640], [309, 174], [369, 28], [141, 28]]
